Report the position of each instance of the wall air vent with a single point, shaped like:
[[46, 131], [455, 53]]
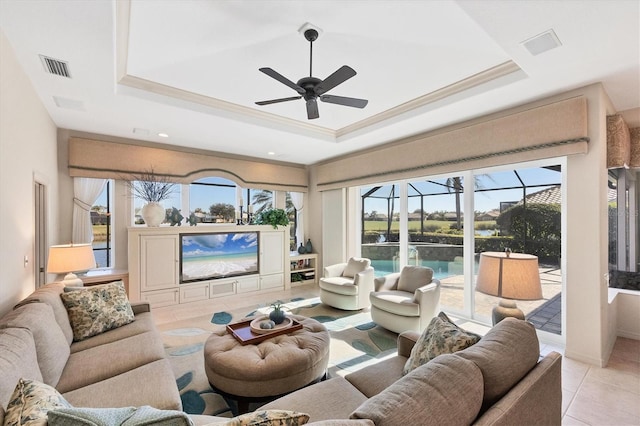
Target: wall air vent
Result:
[[55, 66]]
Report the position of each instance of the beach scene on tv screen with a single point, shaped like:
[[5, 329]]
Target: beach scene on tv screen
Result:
[[219, 255]]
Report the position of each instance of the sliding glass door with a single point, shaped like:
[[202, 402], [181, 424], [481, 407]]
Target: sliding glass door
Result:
[[445, 222]]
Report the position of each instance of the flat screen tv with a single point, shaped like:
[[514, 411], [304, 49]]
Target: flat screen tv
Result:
[[213, 255]]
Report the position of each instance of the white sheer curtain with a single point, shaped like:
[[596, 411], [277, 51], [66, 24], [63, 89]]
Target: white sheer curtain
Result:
[[297, 199], [85, 193]]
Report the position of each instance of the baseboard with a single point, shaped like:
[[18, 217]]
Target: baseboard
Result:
[[628, 334], [585, 359]]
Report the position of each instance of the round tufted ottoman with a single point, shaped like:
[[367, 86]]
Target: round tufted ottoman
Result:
[[273, 367]]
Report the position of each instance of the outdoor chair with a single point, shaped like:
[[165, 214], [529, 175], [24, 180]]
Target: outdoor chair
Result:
[[347, 285], [405, 300]]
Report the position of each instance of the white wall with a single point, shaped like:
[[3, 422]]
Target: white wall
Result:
[[587, 319], [28, 148], [334, 229]]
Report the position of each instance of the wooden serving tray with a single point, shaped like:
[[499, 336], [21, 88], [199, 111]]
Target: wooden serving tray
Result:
[[241, 330]]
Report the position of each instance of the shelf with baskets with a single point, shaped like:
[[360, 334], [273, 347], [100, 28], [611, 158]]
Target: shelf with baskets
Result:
[[304, 268]]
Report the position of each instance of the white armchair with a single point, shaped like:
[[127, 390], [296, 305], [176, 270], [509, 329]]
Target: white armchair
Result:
[[347, 285], [405, 300]]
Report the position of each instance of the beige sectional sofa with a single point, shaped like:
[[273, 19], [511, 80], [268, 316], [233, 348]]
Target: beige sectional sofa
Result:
[[122, 367], [498, 381]]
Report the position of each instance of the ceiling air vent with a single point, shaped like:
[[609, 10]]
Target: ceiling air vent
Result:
[[55, 66]]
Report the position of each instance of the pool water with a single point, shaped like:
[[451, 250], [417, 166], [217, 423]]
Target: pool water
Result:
[[384, 267]]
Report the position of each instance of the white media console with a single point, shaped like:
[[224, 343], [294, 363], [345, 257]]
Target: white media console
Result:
[[154, 265]]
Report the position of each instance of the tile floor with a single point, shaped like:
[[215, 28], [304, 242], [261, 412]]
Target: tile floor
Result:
[[590, 395]]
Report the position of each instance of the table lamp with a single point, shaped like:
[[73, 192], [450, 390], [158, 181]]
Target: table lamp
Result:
[[70, 258], [509, 276]]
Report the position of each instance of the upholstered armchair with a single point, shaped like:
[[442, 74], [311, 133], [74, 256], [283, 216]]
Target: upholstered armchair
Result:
[[347, 285], [405, 300]]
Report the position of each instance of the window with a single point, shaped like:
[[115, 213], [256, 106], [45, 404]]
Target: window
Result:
[[101, 224], [445, 222], [213, 200]]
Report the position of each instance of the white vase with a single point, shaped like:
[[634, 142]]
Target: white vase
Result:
[[153, 214]]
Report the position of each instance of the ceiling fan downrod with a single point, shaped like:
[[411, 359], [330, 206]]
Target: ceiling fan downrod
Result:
[[311, 35]]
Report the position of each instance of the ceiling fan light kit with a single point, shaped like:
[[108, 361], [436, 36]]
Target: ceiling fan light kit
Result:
[[311, 88]]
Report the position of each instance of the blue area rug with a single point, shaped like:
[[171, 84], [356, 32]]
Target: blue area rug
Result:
[[355, 342]]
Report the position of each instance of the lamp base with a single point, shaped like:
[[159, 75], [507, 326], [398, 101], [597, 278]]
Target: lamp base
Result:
[[72, 280], [506, 308]]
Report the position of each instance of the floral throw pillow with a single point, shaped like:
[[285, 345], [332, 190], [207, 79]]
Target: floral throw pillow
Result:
[[269, 418], [441, 336], [30, 402], [94, 310]]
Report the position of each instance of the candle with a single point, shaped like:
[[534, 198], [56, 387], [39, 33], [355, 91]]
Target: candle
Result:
[[240, 201], [250, 208], [237, 214]]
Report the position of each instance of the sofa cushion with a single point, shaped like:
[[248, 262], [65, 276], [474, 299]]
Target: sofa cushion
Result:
[[18, 359], [339, 285], [102, 362], [94, 310], [395, 301], [414, 277], [125, 416], [50, 294], [31, 401], [158, 389], [374, 378], [441, 336], [355, 266], [505, 355], [337, 393], [446, 391], [142, 324], [52, 348], [269, 418], [89, 416]]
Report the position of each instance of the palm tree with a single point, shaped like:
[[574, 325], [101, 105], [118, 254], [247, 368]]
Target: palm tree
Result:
[[263, 200], [455, 183]]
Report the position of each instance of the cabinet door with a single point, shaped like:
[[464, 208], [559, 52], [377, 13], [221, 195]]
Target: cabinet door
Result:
[[160, 298], [271, 252], [158, 262], [194, 292], [247, 284]]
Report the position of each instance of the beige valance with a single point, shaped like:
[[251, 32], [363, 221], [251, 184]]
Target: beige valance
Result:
[[112, 160], [618, 142], [623, 144], [551, 130], [634, 137]]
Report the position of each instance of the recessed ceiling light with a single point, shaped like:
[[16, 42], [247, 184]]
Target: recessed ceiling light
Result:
[[163, 135], [271, 153], [542, 42]]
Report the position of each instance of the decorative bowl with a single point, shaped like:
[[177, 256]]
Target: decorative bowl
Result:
[[255, 325]]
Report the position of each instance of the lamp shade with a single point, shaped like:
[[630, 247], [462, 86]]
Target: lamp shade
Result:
[[70, 258], [514, 276]]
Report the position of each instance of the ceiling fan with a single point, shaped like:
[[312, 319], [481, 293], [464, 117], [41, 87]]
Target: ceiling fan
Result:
[[311, 88]]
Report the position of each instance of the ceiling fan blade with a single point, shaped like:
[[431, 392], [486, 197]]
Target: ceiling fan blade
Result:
[[341, 100], [282, 79], [275, 101], [312, 109], [343, 74]]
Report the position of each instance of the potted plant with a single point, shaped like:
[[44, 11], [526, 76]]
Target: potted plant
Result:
[[277, 315], [273, 217], [153, 189]]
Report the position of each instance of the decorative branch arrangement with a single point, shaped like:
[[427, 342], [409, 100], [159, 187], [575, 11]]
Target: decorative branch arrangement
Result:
[[151, 187]]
